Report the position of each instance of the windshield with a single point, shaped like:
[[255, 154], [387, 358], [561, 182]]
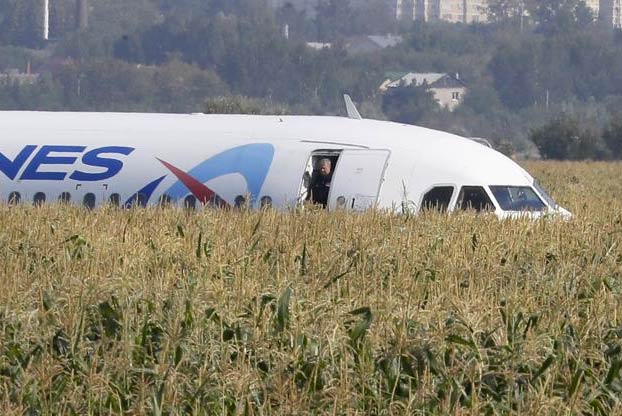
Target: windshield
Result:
[[517, 198], [548, 198]]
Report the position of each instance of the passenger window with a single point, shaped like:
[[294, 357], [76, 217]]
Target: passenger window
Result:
[[142, 200], [165, 201], [474, 197], [266, 201], [89, 201], [115, 200], [240, 201], [216, 202], [15, 198], [438, 198], [64, 198], [190, 202], [138, 200], [39, 199]]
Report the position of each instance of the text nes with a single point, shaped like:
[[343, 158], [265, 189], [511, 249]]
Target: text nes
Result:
[[54, 163]]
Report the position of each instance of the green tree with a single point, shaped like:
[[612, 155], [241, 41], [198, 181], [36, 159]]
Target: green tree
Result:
[[332, 19], [408, 104], [514, 71], [555, 17], [238, 104], [22, 22], [180, 87], [612, 137], [507, 11], [564, 138]]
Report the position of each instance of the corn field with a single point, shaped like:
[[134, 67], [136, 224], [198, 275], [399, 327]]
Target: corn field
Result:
[[164, 312]]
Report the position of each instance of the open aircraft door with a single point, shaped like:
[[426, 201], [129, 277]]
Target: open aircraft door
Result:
[[357, 179]]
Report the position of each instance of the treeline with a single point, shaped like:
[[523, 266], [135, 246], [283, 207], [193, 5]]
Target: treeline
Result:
[[565, 138], [522, 70]]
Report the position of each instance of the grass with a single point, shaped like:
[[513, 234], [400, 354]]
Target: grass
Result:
[[160, 312]]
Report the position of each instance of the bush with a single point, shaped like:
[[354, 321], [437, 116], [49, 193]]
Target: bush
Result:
[[612, 137], [242, 105], [564, 138]]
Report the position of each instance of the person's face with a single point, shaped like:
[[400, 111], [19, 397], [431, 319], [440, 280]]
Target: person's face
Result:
[[325, 169]]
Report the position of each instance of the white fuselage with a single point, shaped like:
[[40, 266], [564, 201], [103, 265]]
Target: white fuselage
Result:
[[233, 158]]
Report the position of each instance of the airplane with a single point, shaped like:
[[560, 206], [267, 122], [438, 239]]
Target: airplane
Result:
[[199, 160]]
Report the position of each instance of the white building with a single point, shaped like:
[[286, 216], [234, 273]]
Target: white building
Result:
[[457, 11]]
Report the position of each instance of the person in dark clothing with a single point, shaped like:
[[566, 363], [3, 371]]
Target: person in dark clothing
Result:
[[320, 184]]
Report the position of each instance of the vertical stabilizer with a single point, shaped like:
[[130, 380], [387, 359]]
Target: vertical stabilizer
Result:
[[353, 113]]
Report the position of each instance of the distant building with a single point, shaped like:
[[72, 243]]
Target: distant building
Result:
[[476, 11], [318, 46], [610, 13], [369, 43], [449, 91], [14, 77], [457, 11]]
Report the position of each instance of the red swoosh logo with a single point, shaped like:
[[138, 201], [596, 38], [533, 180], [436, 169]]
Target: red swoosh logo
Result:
[[200, 191]]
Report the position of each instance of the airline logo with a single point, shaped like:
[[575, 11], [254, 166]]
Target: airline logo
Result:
[[54, 163], [57, 163], [252, 162]]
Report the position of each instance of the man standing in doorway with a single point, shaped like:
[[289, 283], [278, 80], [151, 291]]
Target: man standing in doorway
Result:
[[320, 185]]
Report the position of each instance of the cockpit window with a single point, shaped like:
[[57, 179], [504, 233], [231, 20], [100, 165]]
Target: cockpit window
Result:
[[474, 197], [438, 198], [517, 198], [544, 194]]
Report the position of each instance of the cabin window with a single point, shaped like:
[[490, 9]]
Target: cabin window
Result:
[[517, 198], [89, 201], [141, 199], [39, 199], [240, 201], [165, 201], [341, 201], [190, 203], [115, 200], [216, 202], [64, 198], [266, 201], [15, 198], [138, 200], [474, 197], [438, 198], [455, 96]]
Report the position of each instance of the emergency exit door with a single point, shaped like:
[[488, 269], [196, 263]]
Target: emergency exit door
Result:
[[357, 179]]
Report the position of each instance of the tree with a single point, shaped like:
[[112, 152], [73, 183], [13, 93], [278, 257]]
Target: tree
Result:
[[612, 137], [504, 11], [22, 22], [408, 104], [373, 17], [181, 87], [555, 17], [563, 138], [332, 17], [242, 105], [514, 71]]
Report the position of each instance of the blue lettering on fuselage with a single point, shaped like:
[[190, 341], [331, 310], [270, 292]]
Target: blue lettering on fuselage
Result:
[[41, 165], [11, 167], [42, 158], [93, 158]]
